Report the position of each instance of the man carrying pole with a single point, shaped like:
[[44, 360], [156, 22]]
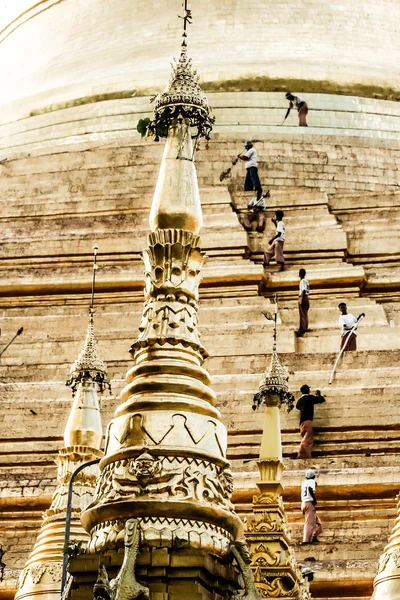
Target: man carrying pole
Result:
[[348, 323], [349, 340]]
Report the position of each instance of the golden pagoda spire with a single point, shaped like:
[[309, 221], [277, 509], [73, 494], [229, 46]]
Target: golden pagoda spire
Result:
[[267, 533], [82, 441], [387, 580], [180, 107], [165, 462]]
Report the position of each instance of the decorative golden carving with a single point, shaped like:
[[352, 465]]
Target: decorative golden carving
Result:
[[183, 96], [265, 522], [125, 586], [152, 477], [164, 531], [36, 572], [89, 365], [241, 553], [262, 556], [276, 589], [265, 499], [386, 557], [146, 467], [102, 588], [383, 561]]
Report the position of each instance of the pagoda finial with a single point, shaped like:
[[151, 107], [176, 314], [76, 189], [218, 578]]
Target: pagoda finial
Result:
[[187, 20], [275, 380], [89, 365], [183, 97]]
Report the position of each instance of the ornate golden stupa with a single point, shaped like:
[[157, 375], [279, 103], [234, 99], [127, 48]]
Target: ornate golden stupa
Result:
[[83, 435], [165, 478], [387, 580], [273, 562]]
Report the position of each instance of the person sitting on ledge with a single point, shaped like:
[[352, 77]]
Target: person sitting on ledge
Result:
[[275, 248], [256, 208]]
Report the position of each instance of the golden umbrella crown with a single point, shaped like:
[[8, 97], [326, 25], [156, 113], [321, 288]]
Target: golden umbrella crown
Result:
[[184, 97], [89, 363]]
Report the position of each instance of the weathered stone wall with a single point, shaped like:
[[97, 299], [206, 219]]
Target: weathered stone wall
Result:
[[59, 199]]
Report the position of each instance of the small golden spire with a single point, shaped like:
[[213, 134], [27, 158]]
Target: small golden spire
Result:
[[41, 577], [267, 532], [87, 376], [275, 380], [89, 365]]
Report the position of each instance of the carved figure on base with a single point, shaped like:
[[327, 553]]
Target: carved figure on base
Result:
[[125, 586], [241, 552]]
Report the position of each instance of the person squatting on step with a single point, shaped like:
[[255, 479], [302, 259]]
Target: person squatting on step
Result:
[[304, 303], [305, 404], [301, 105], [275, 248], [252, 181], [347, 322], [256, 208], [312, 525]]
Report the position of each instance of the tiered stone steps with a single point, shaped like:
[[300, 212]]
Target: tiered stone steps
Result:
[[71, 192]]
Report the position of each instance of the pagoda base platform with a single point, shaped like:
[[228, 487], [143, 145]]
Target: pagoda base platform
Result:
[[169, 574]]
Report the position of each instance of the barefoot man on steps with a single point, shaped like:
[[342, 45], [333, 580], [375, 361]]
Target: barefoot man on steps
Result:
[[312, 525], [305, 404]]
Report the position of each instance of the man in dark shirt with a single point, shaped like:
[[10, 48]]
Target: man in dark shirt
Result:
[[305, 405]]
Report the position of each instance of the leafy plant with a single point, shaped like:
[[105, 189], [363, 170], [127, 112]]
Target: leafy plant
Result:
[[143, 126], [74, 548], [147, 127]]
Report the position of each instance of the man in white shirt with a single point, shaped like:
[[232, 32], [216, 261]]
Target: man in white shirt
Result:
[[347, 322], [304, 303], [312, 525], [275, 248], [252, 181], [301, 105]]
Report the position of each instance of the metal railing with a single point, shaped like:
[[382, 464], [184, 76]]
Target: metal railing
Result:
[[68, 519]]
